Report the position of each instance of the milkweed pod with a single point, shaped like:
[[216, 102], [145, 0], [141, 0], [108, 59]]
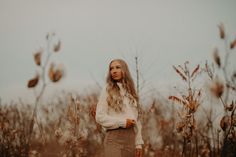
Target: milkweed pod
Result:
[[33, 82]]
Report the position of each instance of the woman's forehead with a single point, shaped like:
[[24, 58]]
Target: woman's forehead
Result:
[[115, 63]]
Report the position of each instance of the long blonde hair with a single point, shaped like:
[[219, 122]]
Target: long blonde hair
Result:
[[114, 99]]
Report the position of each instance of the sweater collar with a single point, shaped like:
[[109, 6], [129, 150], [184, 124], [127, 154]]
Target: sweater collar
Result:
[[120, 85], [122, 90]]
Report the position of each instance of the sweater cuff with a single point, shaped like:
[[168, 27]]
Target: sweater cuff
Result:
[[122, 123], [139, 146]]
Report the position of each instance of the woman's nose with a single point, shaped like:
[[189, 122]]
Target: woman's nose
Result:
[[114, 71]]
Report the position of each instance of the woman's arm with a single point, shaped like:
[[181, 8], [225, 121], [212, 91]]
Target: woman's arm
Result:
[[107, 121], [138, 134]]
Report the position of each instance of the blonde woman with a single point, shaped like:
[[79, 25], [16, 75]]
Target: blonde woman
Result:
[[117, 113]]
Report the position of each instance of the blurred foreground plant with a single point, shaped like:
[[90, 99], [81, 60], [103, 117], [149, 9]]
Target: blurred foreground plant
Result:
[[55, 73], [71, 139], [223, 87], [190, 103]]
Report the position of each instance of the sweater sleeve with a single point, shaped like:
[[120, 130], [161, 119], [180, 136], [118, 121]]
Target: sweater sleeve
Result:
[[102, 117], [138, 134]]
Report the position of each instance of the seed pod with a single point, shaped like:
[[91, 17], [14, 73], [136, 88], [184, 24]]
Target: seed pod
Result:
[[217, 88], [216, 57], [233, 44], [55, 74], [33, 82], [37, 57], [222, 31], [57, 47], [225, 122]]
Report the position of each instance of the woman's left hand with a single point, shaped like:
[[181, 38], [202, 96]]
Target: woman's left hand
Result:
[[138, 152]]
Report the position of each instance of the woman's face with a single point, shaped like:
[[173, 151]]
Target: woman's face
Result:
[[116, 71]]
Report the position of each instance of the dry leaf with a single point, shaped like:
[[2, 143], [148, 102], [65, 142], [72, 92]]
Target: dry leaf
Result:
[[208, 70], [225, 122], [217, 88], [222, 31], [195, 70], [181, 74], [51, 71], [55, 74], [176, 99], [33, 82], [233, 44], [57, 47], [216, 57], [37, 57]]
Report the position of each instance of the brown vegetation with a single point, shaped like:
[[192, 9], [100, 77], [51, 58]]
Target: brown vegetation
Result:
[[67, 128]]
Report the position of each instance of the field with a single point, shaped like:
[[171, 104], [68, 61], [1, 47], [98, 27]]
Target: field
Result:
[[180, 125]]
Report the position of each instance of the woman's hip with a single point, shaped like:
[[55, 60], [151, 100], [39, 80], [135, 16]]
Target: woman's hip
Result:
[[123, 136]]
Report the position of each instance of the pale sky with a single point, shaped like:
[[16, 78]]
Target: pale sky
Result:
[[162, 32]]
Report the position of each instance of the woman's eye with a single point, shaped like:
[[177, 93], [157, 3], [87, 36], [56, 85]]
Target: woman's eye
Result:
[[116, 67]]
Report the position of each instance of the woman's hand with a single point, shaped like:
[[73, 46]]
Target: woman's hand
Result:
[[138, 152], [130, 123]]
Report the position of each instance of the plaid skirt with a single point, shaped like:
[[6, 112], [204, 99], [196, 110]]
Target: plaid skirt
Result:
[[119, 143]]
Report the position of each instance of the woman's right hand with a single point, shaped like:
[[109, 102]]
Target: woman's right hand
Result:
[[130, 123]]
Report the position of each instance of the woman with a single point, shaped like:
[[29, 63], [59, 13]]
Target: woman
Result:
[[117, 113]]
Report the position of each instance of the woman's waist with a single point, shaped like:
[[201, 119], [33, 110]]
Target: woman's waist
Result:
[[121, 132]]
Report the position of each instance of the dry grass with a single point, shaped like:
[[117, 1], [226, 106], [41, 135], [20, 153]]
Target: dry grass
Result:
[[67, 128]]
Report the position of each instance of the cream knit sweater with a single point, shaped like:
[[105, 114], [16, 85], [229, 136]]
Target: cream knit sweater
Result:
[[109, 119]]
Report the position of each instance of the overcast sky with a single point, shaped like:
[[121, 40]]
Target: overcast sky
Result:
[[161, 32]]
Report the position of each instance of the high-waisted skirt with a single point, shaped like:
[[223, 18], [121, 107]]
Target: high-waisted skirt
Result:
[[119, 143]]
